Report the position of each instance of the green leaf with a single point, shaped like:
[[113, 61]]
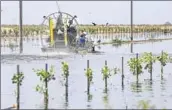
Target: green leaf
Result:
[[133, 64], [106, 72], [18, 78], [65, 69], [89, 74]]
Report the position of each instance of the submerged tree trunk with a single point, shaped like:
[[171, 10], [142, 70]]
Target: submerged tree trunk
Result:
[[162, 70], [137, 71], [88, 86], [162, 66], [151, 64]]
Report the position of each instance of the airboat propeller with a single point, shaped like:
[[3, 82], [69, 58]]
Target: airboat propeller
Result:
[[61, 29]]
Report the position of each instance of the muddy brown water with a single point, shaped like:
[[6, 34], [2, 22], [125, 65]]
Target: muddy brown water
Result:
[[159, 93]]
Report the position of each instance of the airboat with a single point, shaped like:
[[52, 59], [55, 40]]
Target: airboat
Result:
[[63, 34]]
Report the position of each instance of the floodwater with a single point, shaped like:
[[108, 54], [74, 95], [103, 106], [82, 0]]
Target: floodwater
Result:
[[118, 97]]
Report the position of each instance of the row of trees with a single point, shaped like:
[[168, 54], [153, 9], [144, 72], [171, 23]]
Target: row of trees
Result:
[[28, 30], [126, 29], [35, 30]]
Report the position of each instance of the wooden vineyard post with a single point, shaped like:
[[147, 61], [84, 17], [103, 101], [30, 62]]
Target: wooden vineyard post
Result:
[[46, 89], [88, 80], [66, 85], [106, 78], [122, 76], [18, 87], [137, 69]]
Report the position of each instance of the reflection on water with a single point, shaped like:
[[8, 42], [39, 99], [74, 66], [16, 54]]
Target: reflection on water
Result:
[[131, 48], [163, 82], [66, 94], [145, 105], [89, 100], [136, 87], [148, 85], [159, 90], [106, 101], [116, 45]]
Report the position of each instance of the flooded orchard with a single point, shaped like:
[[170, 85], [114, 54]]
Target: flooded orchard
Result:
[[61, 57], [128, 95]]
